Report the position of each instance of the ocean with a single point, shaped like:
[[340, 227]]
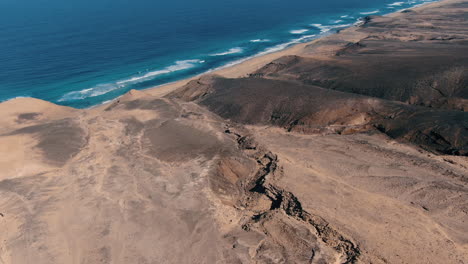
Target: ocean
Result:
[[83, 53]]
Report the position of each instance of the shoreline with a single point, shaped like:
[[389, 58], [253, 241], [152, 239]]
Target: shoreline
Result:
[[354, 150], [253, 63], [244, 66]]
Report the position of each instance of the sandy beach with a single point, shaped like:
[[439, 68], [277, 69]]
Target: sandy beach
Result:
[[248, 66]]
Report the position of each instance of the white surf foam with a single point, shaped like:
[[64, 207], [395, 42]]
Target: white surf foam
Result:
[[102, 89], [187, 64], [230, 51], [273, 49], [396, 4], [370, 12], [298, 31], [323, 28], [259, 40], [178, 66], [90, 92], [282, 46], [341, 26], [424, 2]]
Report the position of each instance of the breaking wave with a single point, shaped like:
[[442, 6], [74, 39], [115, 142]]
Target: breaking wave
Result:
[[323, 28], [105, 88], [259, 40], [298, 31], [229, 52], [396, 4], [216, 61], [370, 12]]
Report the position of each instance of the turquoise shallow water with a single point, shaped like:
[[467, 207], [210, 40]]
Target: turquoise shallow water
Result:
[[83, 53]]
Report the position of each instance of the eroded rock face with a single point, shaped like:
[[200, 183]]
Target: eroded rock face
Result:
[[274, 224], [343, 178]]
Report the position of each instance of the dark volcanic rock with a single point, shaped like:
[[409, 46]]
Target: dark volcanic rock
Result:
[[311, 109], [407, 77], [415, 73], [418, 58]]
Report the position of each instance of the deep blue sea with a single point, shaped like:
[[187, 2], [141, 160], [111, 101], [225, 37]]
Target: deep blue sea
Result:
[[82, 53]]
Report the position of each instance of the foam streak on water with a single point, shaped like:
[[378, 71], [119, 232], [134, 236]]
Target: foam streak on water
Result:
[[102, 89], [298, 31], [259, 40], [95, 67], [229, 52], [370, 12]]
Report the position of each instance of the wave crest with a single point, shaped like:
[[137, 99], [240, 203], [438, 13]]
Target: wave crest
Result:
[[105, 88], [298, 31], [396, 4], [178, 66], [370, 12], [259, 40], [229, 52], [323, 28]]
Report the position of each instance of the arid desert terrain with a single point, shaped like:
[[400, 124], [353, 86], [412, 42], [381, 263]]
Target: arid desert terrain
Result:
[[350, 149]]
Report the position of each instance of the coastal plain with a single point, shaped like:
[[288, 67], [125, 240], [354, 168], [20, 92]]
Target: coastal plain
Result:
[[350, 149]]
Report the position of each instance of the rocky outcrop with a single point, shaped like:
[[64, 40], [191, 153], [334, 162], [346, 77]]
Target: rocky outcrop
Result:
[[310, 109], [268, 206]]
